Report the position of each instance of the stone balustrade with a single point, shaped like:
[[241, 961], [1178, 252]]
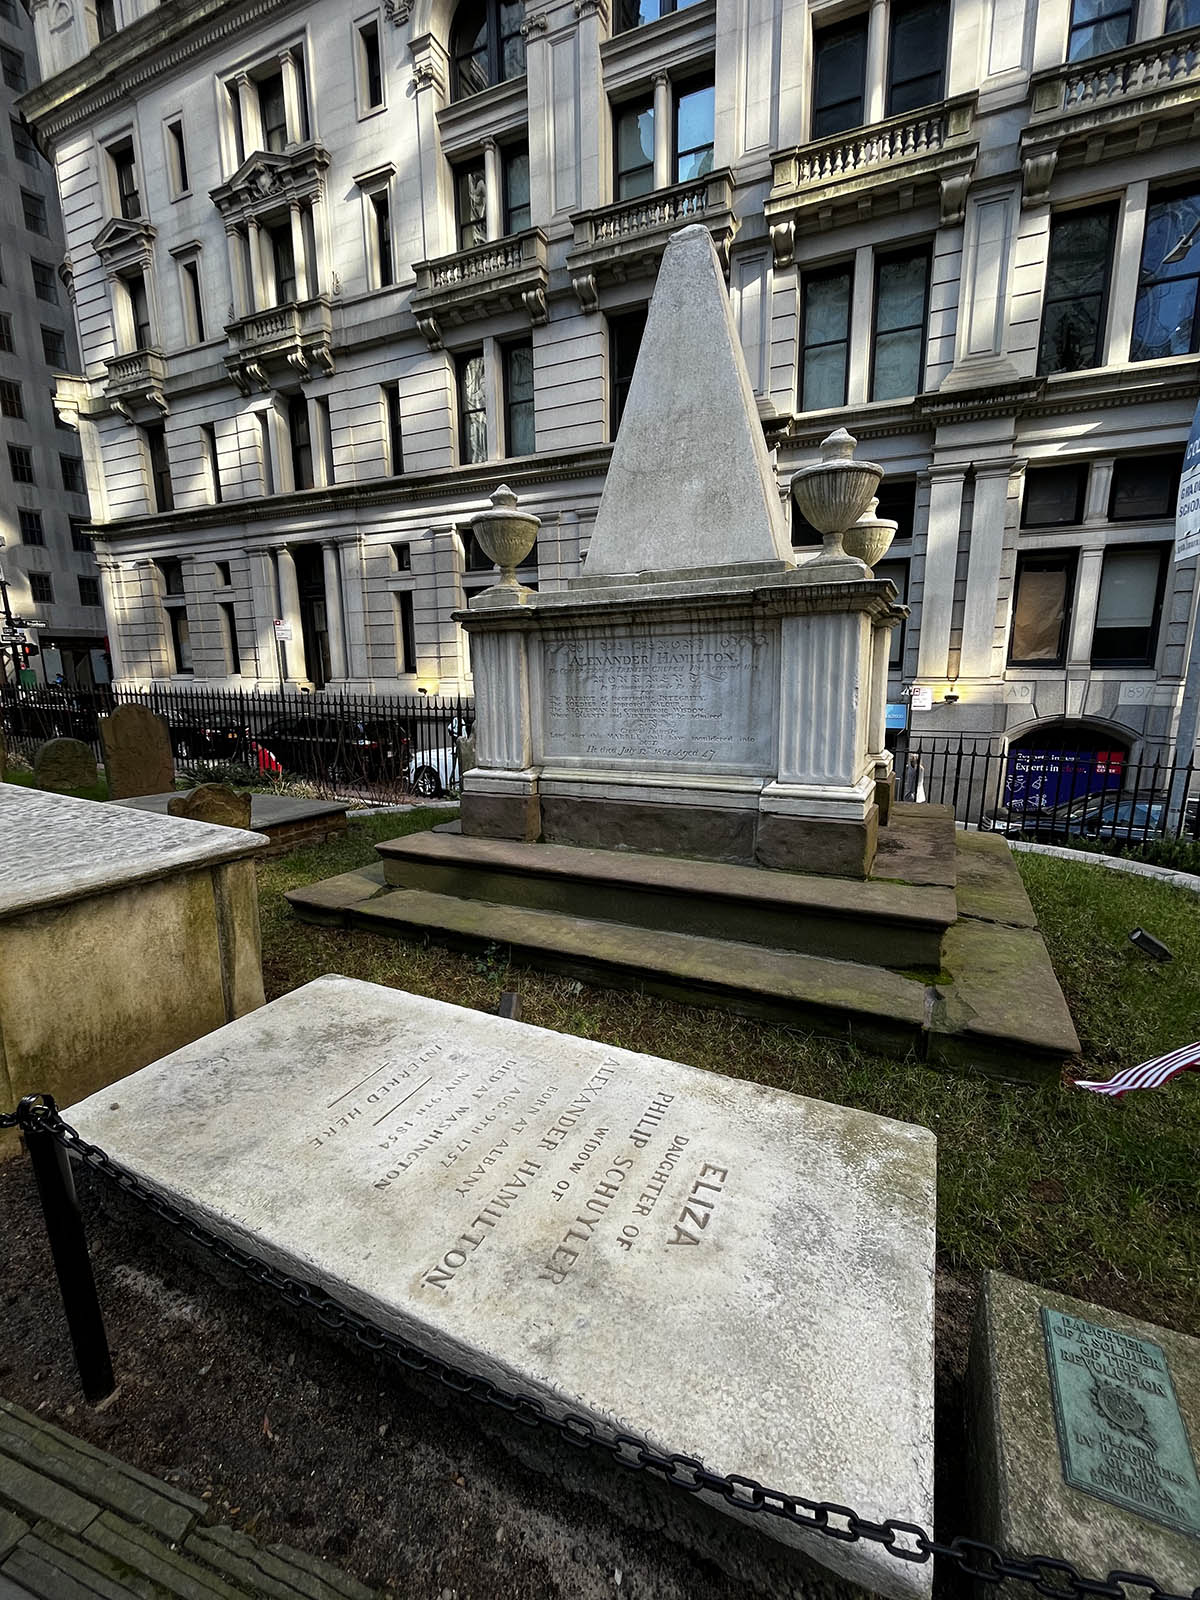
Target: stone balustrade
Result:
[[931, 151], [296, 336], [479, 282], [134, 386], [1141, 96], [1139, 69], [608, 241]]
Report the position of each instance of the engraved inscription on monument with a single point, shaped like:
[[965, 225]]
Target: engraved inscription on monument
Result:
[[679, 697], [1120, 1431]]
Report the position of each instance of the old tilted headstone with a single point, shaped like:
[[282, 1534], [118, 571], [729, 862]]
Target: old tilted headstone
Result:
[[137, 753], [61, 765], [730, 1271], [1086, 1436], [212, 802]]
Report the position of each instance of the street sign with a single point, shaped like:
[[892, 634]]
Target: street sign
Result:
[[283, 631], [12, 636], [921, 698], [28, 622], [1187, 508]]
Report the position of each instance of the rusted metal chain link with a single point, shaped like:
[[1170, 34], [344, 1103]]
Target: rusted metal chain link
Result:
[[906, 1541]]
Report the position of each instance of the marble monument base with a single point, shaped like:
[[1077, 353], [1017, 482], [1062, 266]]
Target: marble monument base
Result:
[[728, 1271]]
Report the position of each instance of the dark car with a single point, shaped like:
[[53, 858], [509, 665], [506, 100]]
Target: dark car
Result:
[[195, 736], [1094, 816], [320, 747], [50, 714]]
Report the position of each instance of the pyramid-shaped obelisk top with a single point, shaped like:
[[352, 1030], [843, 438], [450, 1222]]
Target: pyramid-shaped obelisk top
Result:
[[690, 482]]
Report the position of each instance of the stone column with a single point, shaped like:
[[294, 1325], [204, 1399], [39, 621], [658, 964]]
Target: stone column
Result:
[[237, 272], [875, 100], [493, 191], [258, 283], [265, 606], [294, 662], [293, 115], [1127, 259], [983, 570], [1083, 617], [333, 610], [862, 300], [252, 134], [113, 614], [299, 251], [941, 560], [500, 799], [881, 649], [595, 119], [662, 130], [354, 612], [430, 71]]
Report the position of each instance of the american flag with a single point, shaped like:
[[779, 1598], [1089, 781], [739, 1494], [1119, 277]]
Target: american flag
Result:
[[1150, 1074]]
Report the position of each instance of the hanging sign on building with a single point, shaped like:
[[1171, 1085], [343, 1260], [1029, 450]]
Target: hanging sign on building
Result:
[[921, 697], [1187, 511]]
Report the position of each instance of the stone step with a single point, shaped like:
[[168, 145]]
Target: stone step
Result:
[[882, 1008], [890, 924]]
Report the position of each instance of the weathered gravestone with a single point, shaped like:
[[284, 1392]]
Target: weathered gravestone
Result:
[[137, 752], [61, 765], [212, 802], [1086, 1433], [732, 1272]]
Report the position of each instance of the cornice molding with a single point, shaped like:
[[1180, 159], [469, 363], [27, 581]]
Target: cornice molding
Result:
[[116, 69], [433, 488]]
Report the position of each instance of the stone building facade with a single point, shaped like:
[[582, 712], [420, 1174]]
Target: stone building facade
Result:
[[46, 559], [340, 271]]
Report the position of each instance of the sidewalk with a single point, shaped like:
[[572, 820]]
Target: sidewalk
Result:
[[76, 1523]]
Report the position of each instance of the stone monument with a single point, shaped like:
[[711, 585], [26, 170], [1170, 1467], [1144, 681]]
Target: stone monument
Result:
[[60, 765], [727, 1270], [694, 692], [1086, 1436], [680, 763], [212, 802], [137, 752]]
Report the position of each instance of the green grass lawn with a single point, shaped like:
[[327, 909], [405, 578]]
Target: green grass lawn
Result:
[[96, 791], [1074, 1191]]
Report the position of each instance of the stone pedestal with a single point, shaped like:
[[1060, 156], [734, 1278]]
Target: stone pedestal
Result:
[[122, 935], [727, 717]]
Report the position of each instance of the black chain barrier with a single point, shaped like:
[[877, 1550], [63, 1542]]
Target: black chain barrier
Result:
[[906, 1541]]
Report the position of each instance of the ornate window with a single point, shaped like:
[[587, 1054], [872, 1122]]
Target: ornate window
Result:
[[487, 45]]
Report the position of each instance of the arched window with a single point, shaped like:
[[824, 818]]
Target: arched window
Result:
[[488, 45]]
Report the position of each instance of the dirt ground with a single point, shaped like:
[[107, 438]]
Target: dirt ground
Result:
[[295, 1439]]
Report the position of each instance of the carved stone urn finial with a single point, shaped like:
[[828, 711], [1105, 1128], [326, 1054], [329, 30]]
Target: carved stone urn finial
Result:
[[507, 536], [835, 491], [870, 538]]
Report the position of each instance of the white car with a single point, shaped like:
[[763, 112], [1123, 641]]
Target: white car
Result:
[[435, 772]]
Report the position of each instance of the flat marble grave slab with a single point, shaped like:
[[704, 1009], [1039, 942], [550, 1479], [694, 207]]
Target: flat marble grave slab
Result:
[[732, 1272]]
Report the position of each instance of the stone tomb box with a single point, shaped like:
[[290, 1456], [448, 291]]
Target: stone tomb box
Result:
[[729, 1271], [740, 719], [122, 936]]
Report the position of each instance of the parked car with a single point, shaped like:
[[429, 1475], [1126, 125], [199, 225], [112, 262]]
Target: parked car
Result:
[[194, 735], [1094, 816], [435, 771], [318, 746], [50, 714]]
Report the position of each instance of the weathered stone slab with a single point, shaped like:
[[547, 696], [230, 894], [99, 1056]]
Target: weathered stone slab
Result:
[[61, 765], [137, 752], [733, 1272], [1086, 1436], [56, 848], [212, 802]]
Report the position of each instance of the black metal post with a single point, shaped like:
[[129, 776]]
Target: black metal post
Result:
[[72, 1263]]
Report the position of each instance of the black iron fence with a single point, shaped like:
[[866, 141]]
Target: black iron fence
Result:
[[370, 747], [1053, 795]]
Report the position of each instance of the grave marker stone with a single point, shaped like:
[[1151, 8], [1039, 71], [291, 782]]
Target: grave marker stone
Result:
[[61, 765], [137, 752], [1086, 1435], [727, 1270], [212, 802]]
